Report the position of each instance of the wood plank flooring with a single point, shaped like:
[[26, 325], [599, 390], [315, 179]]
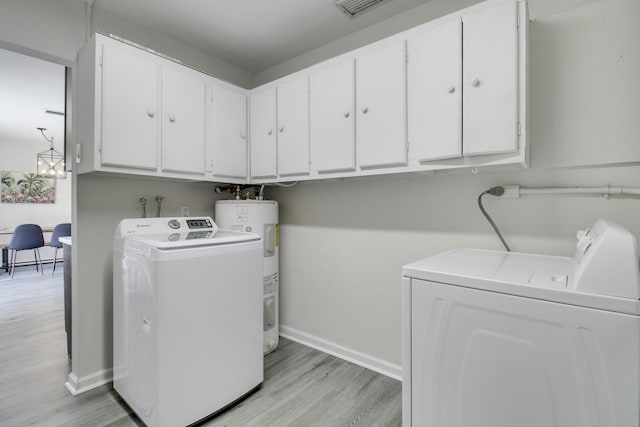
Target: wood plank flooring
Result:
[[302, 386]]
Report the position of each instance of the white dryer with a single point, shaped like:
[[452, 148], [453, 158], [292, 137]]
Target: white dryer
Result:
[[498, 339], [187, 317]]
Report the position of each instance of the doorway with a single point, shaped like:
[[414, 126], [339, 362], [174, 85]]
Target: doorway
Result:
[[34, 117]]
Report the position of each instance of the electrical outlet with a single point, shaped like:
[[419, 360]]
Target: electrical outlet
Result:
[[185, 211]]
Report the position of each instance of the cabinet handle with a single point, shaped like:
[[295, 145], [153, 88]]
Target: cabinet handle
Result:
[[475, 82], [282, 129], [150, 114], [365, 110], [451, 89], [269, 132], [346, 115]]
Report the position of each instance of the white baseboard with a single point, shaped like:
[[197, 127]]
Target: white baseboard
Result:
[[76, 385], [377, 365]]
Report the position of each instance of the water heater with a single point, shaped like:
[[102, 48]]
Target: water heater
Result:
[[258, 216]]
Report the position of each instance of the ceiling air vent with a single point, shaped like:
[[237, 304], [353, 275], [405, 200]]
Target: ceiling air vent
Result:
[[352, 8]]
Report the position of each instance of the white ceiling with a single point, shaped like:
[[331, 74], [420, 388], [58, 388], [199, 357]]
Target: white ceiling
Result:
[[251, 34], [28, 87]]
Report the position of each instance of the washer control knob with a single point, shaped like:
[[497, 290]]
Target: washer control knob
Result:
[[174, 223]]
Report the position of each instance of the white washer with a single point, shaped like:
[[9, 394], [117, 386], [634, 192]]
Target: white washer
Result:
[[187, 317], [498, 339]]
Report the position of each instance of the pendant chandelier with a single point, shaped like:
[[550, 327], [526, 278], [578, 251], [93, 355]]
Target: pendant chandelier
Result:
[[50, 162]]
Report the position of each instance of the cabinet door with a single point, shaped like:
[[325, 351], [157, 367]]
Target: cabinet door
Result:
[[332, 126], [129, 124], [263, 134], [230, 133], [183, 120], [435, 93], [380, 97], [293, 127], [490, 79]]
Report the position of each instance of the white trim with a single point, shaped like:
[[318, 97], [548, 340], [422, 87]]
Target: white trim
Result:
[[377, 365], [76, 386]]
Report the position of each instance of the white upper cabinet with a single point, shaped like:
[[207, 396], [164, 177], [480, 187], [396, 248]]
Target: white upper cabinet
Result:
[[380, 113], [446, 94], [435, 93], [332, 125], [129, 125], [183, 120], [263, 134], [293, 127], [139, 113], [490, 79], [230, 133]]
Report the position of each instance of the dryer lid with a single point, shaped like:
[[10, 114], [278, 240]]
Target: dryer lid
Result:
[[541, 277]]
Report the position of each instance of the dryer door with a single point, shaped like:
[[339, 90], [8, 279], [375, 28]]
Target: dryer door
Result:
[[485, 359]]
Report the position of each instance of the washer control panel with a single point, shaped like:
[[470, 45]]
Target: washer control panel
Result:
[[184, 225], [199, 223]]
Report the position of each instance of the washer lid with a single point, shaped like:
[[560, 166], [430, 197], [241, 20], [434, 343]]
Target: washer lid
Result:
[[183, 239], [541, 277]]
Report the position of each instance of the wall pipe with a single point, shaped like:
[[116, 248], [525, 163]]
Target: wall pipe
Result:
[[514, 191]]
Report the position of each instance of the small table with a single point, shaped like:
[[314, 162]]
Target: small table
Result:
[[5, 248]]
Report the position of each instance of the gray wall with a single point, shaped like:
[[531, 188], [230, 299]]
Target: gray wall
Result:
[[56, 30], [102, 201], [107, 23], [429, 11], [344, 241], [50, 29]]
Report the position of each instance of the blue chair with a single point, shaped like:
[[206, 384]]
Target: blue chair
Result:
[[60, 230], [26, 236]]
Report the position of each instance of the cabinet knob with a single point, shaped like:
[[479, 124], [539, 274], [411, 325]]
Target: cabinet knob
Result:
[[269, 132], [365, 110], [282, 129], [452, 89], [172, 119], [242, 135], [151, 114], [475, 82], [346, 115]]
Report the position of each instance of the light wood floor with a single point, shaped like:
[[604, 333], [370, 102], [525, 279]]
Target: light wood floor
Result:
[[302, 386]]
